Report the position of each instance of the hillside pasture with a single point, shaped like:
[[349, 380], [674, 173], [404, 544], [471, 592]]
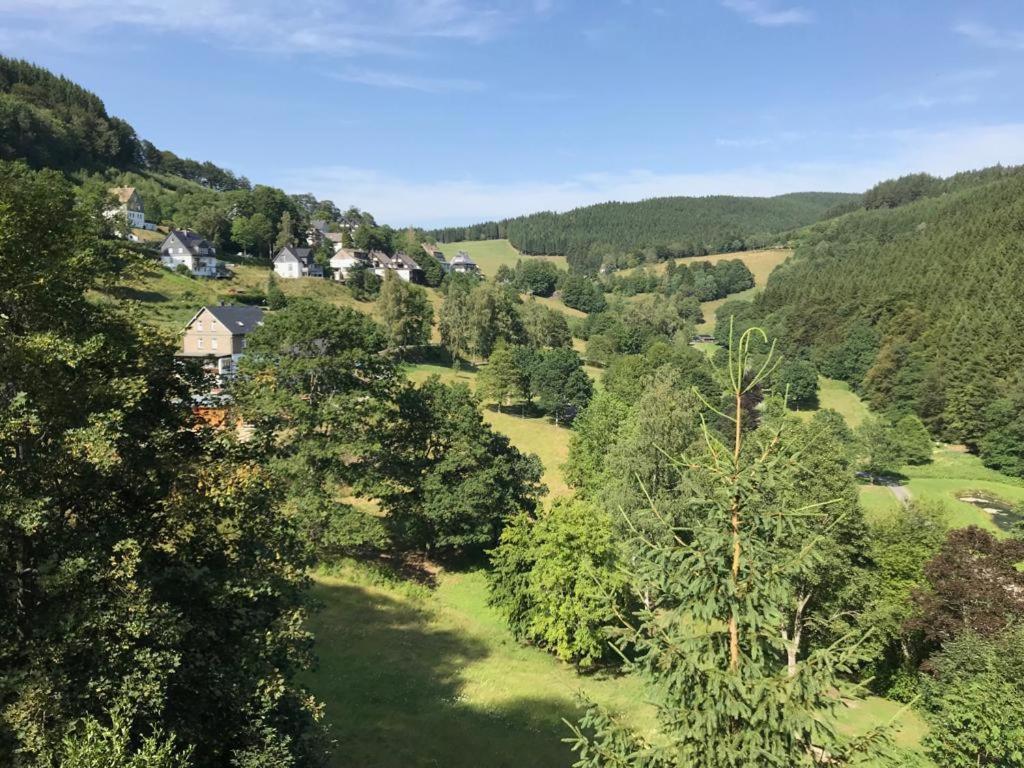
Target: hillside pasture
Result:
[[489, 255], [413, 676]]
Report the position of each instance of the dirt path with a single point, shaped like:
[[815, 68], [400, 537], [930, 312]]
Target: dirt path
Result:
[[901, 492]]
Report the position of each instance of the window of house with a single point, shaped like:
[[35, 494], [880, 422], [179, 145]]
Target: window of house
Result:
[[199, 325], [213, 343], [199, 343]]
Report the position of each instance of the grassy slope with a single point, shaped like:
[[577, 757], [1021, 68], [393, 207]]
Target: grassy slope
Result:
[[418, 677], [760, 263], [491, 254]]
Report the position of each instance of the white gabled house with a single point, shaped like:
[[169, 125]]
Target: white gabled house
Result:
[[401, 264], [292, 262], [218, 335], [185, 247], [463, 263], [345, 260]]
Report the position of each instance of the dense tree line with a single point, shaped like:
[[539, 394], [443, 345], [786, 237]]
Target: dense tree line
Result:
[[680, 226], [915, 307], [701, 279]]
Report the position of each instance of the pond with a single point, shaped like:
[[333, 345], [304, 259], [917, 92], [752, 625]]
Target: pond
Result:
[[1002, 513]]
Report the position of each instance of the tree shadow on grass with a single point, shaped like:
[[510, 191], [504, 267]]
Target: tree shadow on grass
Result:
[[127, 293], [391, 679]]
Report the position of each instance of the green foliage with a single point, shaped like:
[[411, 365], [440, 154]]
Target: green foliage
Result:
[[144, 563], [582, 293], [593, 432], [447, 483], [560, 384], [973, 701], [275, 296], [543, 326], [798, 380], [557, 581], [507, 375], [405, 312], [728, 686], [94, 745], [871, 297], [536, 276], [880, 447], [914, 440], [899, 547], [433, 273], [363, 283], [684, 226]]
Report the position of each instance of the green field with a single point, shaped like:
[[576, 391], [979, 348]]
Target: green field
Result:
[[838, 396], [412, 676], [491, 254], [760, 263]]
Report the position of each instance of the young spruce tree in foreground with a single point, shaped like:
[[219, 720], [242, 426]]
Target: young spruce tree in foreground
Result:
[[718, 588]]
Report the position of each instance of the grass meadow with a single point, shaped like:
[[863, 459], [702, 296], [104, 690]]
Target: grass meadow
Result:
[[491, 254]]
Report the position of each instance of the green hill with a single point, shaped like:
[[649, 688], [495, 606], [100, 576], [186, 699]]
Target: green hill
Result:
[[675, 226], [918, 306]]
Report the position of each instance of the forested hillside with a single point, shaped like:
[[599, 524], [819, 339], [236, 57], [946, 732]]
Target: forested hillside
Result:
[[920, 307], [679, 226]]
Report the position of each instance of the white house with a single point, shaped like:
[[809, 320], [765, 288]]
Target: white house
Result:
[[400, 263], [184, 247], [218, 334], [345, 260], [129, 205], [292, 262]]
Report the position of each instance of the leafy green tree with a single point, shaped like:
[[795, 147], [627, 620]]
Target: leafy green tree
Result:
[[594, 431], [913, 438], [899, 547], [879, 446], [556, 578], [433, 273], [285, 232], [543, 326], [455, 320], [560, 384], [536, 276], [707, 637], [493, 316], [94, 745], [507, 375], [254, 232], [313, 384], [448, 483], [798, 379], [581, 293], [153, 574], [973, 701], [363, 283], [275, 296], [405, 312]]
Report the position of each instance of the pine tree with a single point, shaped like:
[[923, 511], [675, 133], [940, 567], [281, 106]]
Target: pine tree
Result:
[[718, 596]]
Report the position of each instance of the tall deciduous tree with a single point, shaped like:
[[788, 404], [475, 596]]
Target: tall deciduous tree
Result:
[[405, 311]]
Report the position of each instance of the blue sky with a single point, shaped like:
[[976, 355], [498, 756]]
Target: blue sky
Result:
[[453, 111]]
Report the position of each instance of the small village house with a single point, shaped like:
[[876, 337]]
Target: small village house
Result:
[[345, 260], [193, 251], [218, 334], [401, 264], [432, 250], [129, 205], [463, 263], [292, 262]]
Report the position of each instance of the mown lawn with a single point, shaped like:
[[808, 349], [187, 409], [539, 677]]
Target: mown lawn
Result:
[[491, 254], [838, 396], [412, 676]]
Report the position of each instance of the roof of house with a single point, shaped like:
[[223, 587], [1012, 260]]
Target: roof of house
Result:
[[240, 319], [463, 258], [191, 240], [350, 253], [320, 225], [302, 255], [123, 194], [334, 237], [432, 250], [403, 261]]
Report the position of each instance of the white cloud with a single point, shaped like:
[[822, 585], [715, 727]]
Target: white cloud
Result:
[[408, 82], [764, 14], [401, 201], [990, 37], [338, 27]]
